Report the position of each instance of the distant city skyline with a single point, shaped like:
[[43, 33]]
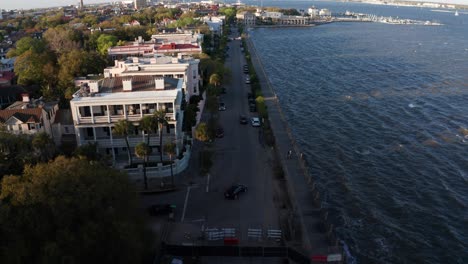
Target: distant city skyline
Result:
[[29, 4]]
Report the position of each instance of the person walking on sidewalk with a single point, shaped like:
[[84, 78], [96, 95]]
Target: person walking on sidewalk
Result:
[[289, 154]]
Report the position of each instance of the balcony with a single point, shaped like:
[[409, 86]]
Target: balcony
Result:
[[116, 118]]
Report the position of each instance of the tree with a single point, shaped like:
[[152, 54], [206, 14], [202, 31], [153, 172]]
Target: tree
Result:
[[142, 150], [201, 132], [104, 42], [215, 79], [44, 145], [190, 117], [29, 68], [88, 151], [212, 105], [149, 124], [170, 149], [71, 211], [160, 116], [123, 128], [27, 44], [61, 40]]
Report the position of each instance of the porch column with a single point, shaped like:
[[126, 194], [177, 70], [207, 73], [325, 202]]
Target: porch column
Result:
[[94, 134], [112, 144], [92, 114], [125, 111], [108, 114]]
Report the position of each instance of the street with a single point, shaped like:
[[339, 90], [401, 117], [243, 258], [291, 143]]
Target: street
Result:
[[238, 157]]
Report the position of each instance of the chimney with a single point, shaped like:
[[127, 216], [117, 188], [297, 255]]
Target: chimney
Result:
[[159, 83], [93, 86], [140, 39], [127, 84], [25, 97]]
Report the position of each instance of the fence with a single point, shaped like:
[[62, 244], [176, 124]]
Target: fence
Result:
[[161, 170]]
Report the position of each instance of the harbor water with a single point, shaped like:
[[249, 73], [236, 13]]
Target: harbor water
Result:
[[381, 113]]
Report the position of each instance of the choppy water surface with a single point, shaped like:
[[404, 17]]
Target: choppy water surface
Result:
[[381, 112]]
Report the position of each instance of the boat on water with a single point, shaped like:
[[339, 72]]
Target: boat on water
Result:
[[456, 12]]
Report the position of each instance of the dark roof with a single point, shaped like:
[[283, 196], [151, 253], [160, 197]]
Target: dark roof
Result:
[[11, 90], [139, 84], [24, 115], [64, 117]]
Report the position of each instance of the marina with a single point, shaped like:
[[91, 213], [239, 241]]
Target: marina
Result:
[[359, 17]]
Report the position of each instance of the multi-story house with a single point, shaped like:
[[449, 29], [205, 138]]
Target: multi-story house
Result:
[[247, 18], [30, 116], [181, 67], [99, 105], [186, 43]]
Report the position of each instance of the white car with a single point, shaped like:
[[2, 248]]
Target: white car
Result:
[[255, 121], [247, 80]]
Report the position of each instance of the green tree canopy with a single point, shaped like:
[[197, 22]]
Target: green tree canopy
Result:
[[104, 42], [27, 44], [70, 211], [201, 132], [29, 68]]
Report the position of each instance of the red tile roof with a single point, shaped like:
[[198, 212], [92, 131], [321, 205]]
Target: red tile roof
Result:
[[24, 115], [176, 46]]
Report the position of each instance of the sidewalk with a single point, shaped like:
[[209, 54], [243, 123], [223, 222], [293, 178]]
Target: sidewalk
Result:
[[305, 198]]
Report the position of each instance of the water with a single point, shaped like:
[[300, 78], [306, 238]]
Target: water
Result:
[[381, 112]]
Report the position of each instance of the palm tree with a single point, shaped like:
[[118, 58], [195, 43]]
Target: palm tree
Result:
[[142, 150], [160, 116], [170, 149], [123, 128], [149, 124]]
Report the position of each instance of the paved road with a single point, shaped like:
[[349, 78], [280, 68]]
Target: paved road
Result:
[[239, 157]]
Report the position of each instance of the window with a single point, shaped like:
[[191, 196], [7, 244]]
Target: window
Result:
[[20, 128], [194, 74]]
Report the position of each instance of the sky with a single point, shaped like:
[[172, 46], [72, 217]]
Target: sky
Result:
[[28, 4]]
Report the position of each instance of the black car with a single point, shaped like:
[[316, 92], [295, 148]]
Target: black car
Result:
[[252, 108], [219, 132], [234, 191], [161, 209], [243, 120]]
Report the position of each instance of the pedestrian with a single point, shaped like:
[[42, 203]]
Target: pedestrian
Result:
[[302, 156], [289, 154]]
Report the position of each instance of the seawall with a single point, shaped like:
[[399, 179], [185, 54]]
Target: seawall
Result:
[[318, 236]]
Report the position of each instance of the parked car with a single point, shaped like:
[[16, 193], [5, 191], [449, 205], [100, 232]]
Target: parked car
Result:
[[252, 108], [247, 80], [161, 209], [222, 106], [255, 121], [243, 120], [219, 132], [234, 191]]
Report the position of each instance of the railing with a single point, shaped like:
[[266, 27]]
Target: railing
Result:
[[160, 171], [116, 118]]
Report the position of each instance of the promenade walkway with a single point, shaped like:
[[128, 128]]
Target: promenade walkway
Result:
[[316, 236]]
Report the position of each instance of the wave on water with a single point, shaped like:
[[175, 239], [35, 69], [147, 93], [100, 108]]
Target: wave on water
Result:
[[384, 130]]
